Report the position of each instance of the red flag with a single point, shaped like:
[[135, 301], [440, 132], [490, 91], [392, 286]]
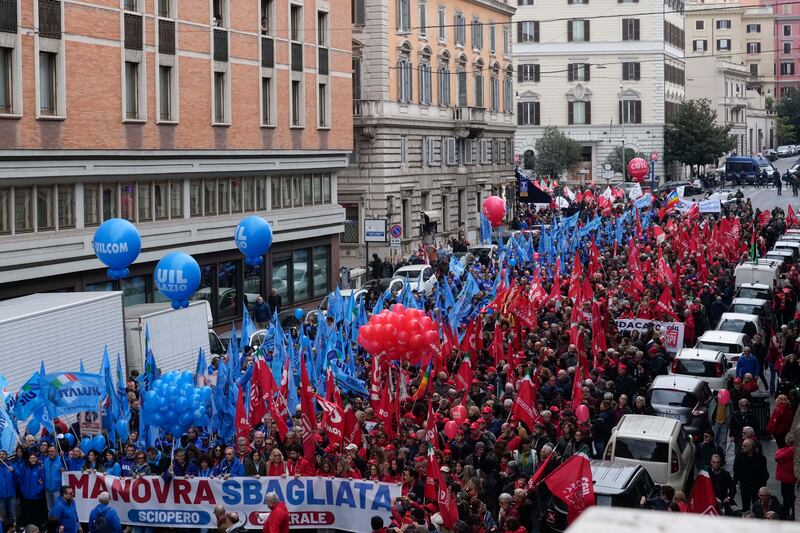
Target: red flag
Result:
[[703, 499], [659, 234], [764, 218], [431, 492], [577, 387], [384, 411], [539, 474], [242, 422], [258, 406], [524, 408], [353, 434], [665, 303], [332, 421], [464, 375], [308, 416], [431, 434], [664, 272], [676, 282], [594, 258], [575, 278], [281, 403], [693, 212], [791, 217], [375, 382], [555, 293], [572, 483]]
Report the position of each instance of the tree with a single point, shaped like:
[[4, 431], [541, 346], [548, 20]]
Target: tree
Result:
[[615, 157], [555, 153], [788, 116], [694, 138]]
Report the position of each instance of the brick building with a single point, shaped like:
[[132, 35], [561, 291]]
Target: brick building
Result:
[[181, 116]]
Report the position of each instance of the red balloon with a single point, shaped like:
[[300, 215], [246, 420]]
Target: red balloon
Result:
[[638, 168], [582, 413], [398, 308], [402, 338], [459, 413], [431, 337], [451, 429], [494, 209]]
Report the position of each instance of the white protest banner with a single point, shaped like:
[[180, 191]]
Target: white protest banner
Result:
[[711, 205], [670, 332], [313, 502]]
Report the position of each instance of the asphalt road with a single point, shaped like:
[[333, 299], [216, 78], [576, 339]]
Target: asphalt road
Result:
[[767, 198]]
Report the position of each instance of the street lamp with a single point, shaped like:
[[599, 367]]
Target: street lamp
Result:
[[622, 126]]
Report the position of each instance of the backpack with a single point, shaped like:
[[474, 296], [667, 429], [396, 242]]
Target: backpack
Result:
[[102, 524]]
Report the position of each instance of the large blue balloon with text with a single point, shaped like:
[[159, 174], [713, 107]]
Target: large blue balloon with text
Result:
[[117, 244], [253, 237], [177, 276]]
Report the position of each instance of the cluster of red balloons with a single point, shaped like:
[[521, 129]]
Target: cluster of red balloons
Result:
[[494, 209], [459, 415], [399, 333]]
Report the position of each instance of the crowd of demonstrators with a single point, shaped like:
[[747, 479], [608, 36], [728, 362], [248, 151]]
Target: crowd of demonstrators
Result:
[[492, 463]]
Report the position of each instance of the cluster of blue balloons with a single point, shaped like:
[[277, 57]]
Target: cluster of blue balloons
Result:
[[117, 244], [96, 443], [174, 404], [253, 237]]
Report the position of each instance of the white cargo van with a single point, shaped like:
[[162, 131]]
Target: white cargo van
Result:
[[657, 443], [765, 272]]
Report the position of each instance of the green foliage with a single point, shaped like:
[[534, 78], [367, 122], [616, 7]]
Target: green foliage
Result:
[[786, 132], [615, 158], [788, 116], [694, 138], [555, 153]]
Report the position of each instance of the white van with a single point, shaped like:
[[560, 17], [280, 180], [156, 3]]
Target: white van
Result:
[[765, 272], [659, 444]]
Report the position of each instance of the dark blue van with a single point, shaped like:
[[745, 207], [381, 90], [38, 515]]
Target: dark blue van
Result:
[[746, 170]]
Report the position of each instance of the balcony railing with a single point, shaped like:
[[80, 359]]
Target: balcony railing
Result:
[[50, 19], [297, 57], [133, 31], [468, 114], [267, 52], [220, 45], [365, 108], [8, 16], [166, 36], [322, 64]]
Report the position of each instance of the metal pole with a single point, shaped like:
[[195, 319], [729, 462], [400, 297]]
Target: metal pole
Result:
[[622, 125]]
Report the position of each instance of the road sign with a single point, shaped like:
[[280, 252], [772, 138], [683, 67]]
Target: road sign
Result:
[[394, 243], [653, 156], [396, 231], [374, 230]]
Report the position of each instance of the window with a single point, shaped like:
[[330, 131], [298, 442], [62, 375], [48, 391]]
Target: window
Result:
[[442, 34], [723, 44], [322, 28], [528, 31], [403, 16], [6, 81], [404, 80], [297, 103], [219, 97], [699, 24], [403, 150], [127, 201], [23, 209], [131, 90], [787, 68], [494, 89], [754, 28], [577, 30], [237, 187], [91, 204], [508, 92], [423, 18], [350, 233], [700, 45], [66, 206], [478, 84], [723, 24], [528, 73], [492, 37], [296, 23], [165, 93], [108, 197], [48, 83], [45, 208], [195, 198], [580, 112], [323, 111], [450, 149], [443, 74], [223, 196], [753, 48], [578, 72], [209, 197], [461, 82], [631, 70], [320, 270], [630, 111], [528, 114], [267, 115], [130, 5], [358, 12], [630, 29], [787, 48], [164, 8], [506, 40], [425, 81], [461, 29], [477, 34], [144, 194], [787, 30], [753, 70], [161, 199]]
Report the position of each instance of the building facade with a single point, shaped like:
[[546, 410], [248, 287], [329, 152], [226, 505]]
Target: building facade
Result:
[[182, 117], [624, 57], [433, 118], [786, 42]]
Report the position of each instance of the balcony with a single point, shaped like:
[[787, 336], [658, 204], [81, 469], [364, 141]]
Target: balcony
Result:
[[166, 36], [366, 116], [50, 19], [220, 45], [297, 57], [8, 16], [267, 52], [468, 121], [133, 31]]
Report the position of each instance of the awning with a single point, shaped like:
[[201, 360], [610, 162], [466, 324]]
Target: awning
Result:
[[432, 216]]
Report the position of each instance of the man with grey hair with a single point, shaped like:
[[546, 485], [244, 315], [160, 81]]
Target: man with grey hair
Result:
[[278, 518], [104, 519]]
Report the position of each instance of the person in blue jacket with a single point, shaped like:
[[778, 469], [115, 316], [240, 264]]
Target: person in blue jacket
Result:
[[30, 485], [111, 466], [53, 466], [180, 467], [75, 461], [747, 364], [103, 518], [65, 511], [8, 491], [128, 460], [230, 466]]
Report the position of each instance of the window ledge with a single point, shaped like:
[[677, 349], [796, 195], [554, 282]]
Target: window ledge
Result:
[[324, 128], [133, 121], [51, 117], [297, 127], [423, 37], [269, 126], [11, 116], [221, 124], [167, 122], [403, 32]]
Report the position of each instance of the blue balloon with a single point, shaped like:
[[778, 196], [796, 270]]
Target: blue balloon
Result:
[[99, 443], [186, 419], [182, 404], [34, 427], [177, 276], [157, 419], [176, 430], [117, 244], [150, 396], [298, 314], [253, 237], [512, 262], [205, 393], [86, 444], [121, 428], [70, 438]]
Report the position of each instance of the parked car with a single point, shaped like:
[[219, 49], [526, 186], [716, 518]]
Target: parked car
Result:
[[771, 154], [709, 365], [616, 484], [659, 444], [783, 151], [684, 398], [418, 276], [759, 291], [383, 284], [751, 306], [346, 293], [741, 323], [728, 342]]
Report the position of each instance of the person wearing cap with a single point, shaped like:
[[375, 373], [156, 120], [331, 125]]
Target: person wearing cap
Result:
[[492, 424]]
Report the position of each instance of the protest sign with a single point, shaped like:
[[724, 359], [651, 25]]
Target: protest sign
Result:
[[671, 332], [313, 502]]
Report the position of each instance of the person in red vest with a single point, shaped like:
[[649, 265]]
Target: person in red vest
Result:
[[278, 519]]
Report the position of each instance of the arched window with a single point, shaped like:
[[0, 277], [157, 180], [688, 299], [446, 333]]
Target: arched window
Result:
[[508, 90], [478, 76], [444, 79], [461, 81], [425, 76], [404, 73], [494, 87], [527, 160]]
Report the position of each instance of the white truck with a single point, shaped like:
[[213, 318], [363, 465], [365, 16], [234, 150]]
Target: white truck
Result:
[[60, 329], [176, 335]]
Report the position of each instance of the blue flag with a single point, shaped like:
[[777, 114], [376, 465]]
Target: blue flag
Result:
[[486, 230], [379, 304], [456, 267], [111, 408], [248, 328], [71, 392], [122, 394], [346, 381], [200, 369]]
